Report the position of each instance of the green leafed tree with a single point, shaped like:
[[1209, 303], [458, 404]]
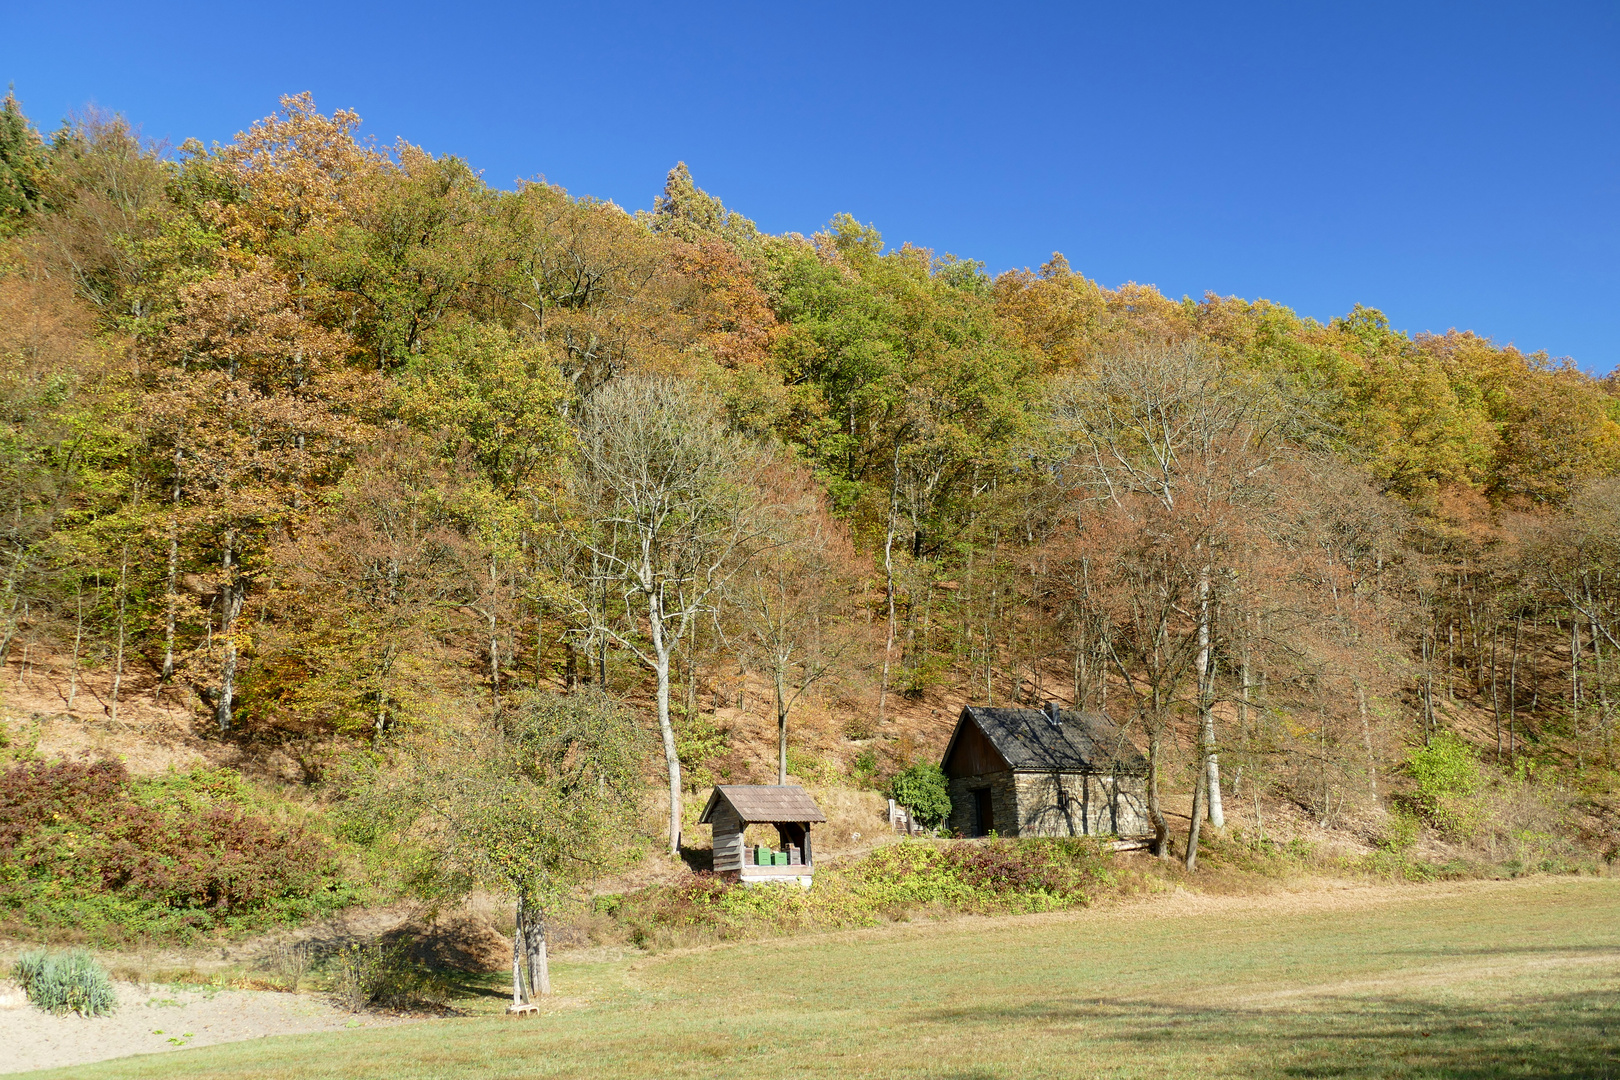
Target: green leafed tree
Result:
[[923, 790], [688, 212], [23, 167], [532, 805]]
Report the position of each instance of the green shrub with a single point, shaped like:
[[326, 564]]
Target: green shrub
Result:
[[1395, 864], [809, 767], [924, 791], [865, 766], [1400, 832], [386, 975], [1447, 778], [66, 982], [923, 674]]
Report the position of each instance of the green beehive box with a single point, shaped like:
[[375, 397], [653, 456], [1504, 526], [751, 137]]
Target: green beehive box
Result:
[[779, 858], [762, 857]]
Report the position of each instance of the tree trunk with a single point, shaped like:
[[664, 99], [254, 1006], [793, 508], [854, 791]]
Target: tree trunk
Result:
[[781, 727], [888, 573], [672, 761], [170, 594], [1243, 696], [78, 642], [1513, 681], [517, 957], [494, 639], [1596, 674], [691, 672], [1206, 707], [123, 608], [1575, 683], [1366, 738], [1161, 829], [1428, 686], [169, 601], [533, 922], [1200, 784], [233, 608], [1496, 704]]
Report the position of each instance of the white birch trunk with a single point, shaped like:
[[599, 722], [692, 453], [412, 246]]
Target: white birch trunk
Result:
[[123, 608], [1212, 766], [661, 650], [233, 608], [170, 594]]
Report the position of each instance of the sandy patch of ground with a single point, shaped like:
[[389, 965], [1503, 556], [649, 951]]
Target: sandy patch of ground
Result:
[[159, 1019]]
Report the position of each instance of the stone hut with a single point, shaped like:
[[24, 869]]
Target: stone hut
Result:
[[1044, 772]]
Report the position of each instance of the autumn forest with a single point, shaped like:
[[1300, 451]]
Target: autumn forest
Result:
[[339, 445]]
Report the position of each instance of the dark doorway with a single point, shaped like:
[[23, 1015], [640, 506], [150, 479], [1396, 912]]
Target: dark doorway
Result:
[[984, 818]]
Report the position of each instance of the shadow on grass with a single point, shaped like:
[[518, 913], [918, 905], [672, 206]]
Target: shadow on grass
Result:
[[465, 986], [1509, 950], [1566, 1035]]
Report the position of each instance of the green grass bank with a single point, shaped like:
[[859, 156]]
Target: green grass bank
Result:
[[1464, 980]]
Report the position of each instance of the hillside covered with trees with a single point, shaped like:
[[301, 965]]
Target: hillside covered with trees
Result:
[[338, 443]]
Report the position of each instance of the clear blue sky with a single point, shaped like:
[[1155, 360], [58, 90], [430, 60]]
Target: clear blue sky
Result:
[[1453, 164]]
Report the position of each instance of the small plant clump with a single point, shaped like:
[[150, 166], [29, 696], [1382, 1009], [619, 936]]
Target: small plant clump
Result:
[[364, 976], [66, 982]]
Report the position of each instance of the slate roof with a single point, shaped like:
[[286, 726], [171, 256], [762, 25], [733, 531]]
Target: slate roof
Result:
[[765, 803], [1086, 742]]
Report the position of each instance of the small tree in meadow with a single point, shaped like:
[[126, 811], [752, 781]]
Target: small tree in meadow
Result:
[[532, 804]]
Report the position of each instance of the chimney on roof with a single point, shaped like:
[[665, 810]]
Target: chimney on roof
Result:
[[1054, 714]]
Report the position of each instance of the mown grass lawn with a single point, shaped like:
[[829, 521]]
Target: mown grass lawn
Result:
[[1511, 979]]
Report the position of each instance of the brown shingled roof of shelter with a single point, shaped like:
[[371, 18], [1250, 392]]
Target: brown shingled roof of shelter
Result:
[[765, 803]]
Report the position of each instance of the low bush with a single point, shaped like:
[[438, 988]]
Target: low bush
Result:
[[1446, 776], [1241, 851], [811, 767], [865, 767], [364, 976], [1514, 821], [66, 982], [895, 882], [84, 847]]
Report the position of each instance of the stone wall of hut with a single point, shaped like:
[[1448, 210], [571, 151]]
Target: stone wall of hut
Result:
[[1081, 804], [1003, 803], [1054, 804]]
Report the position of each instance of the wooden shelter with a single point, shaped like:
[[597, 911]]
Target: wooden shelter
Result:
[[734, 807], [1043, 772]]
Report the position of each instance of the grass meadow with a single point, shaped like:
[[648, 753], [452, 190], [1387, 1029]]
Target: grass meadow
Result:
[[1484, 979]]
